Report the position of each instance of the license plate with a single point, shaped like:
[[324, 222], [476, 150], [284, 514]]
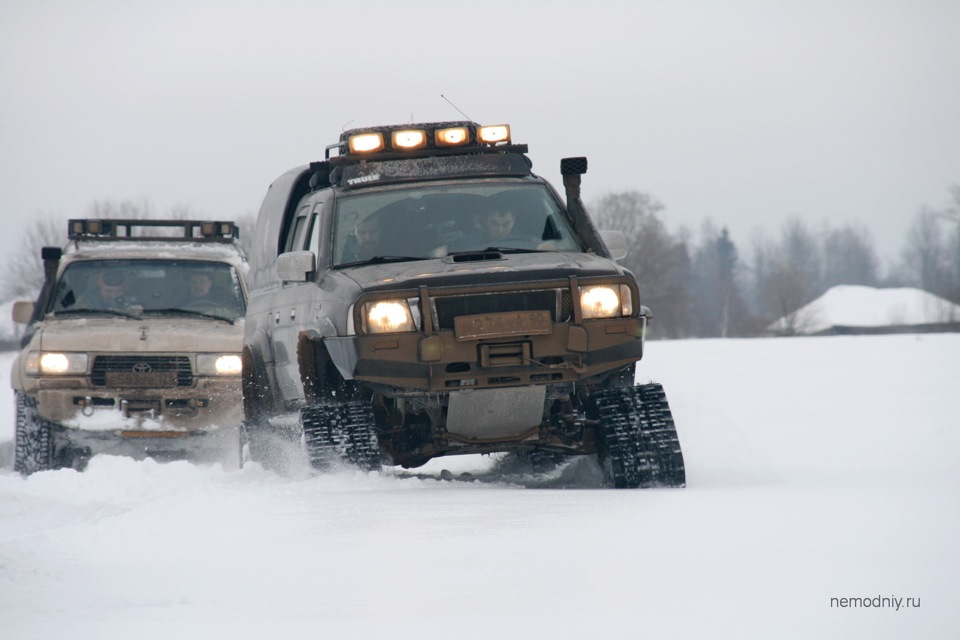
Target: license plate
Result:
[[130, 379], [496, 325], [155, 434]]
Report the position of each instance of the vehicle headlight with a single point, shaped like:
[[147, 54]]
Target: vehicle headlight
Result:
[[218, 364], [606, 301], [388, 316], [55, 363]]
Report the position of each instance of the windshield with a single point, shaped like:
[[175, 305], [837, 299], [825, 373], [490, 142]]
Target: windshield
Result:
[[439, 220], [177, 287]]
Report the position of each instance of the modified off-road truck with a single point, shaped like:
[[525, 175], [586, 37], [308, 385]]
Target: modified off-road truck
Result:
[[133, 347], [421, 293]]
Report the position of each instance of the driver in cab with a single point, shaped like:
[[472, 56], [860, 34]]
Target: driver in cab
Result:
[[496, 228], [202, 295]]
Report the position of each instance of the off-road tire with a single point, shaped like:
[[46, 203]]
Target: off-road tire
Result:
[[341, 431], [33, 448], [638, 444], [264, 444]]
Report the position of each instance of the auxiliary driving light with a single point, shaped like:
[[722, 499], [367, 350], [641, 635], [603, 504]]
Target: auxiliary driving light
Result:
[[494, 134], [366, 142], [451, 137], [409, 139]]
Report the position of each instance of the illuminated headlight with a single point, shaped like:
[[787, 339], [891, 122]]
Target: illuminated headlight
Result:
[[51, 363], [409, 139], [218, 364], [366, 143], [606, 301], [388, 316], [494, 134], [451, 137]]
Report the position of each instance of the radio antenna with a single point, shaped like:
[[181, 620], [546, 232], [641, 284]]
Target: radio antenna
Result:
[[456, 107]]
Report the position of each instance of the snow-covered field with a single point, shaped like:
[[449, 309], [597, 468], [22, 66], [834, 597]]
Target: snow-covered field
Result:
[[820, 470]]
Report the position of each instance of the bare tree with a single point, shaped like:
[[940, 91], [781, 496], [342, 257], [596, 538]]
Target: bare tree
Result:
[[952, 215], [849, 257], [787, 276], [246, 222], [129, 209], [926, 255], [658, 260], [21, 276]]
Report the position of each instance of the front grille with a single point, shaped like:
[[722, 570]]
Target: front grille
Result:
[[141, 371], [566, 306], [451, 307]]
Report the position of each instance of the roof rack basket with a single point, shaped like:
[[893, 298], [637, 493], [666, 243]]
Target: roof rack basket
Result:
[[160, 230]]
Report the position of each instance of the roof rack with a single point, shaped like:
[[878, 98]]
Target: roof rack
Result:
[[126, 229]]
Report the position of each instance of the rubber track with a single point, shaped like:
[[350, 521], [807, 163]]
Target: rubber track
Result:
[[641, 448], [33, 448], [341, 431]]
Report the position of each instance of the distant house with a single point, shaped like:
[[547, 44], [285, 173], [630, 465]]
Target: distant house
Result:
[[848, 309]]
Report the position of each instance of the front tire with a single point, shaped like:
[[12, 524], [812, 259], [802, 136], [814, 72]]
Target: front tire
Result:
[[258, 440], [34, 439]]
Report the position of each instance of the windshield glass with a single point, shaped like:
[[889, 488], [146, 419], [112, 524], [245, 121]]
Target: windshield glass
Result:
[[439, 220], [184, 287]]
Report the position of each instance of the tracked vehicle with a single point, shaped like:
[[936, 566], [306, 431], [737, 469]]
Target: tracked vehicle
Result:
[[420, 292]]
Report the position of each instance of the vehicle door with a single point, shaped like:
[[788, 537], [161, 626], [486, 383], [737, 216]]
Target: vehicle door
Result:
[[295, 302]]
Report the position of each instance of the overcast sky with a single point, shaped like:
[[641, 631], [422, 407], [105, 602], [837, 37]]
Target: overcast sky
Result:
[[742, 112]]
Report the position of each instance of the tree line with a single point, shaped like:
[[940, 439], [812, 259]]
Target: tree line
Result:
[[698, 285], [709, 285]]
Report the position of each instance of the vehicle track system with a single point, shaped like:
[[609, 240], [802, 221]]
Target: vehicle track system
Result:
[[341, 431], [639, 447]]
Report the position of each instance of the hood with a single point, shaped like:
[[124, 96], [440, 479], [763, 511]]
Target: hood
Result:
[[148, 335], [508, 268]]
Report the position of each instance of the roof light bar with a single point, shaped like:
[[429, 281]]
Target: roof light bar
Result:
[[435, 138], [148, 229]]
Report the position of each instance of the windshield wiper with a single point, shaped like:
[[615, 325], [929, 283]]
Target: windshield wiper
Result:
[[497, 250], [109, 312], [192, 312], [383, 260]]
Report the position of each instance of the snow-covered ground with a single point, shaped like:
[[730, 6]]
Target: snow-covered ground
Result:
[[819, 470]]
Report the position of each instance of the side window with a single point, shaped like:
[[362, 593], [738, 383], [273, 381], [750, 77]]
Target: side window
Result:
[[315, 228], [295, 238], [316, 231]]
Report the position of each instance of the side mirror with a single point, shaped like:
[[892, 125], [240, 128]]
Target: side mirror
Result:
[[296, 266], [22, 311], [616, 243]]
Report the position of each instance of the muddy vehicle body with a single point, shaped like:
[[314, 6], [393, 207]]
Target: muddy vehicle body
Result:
[[133, 347], [422, 293]]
